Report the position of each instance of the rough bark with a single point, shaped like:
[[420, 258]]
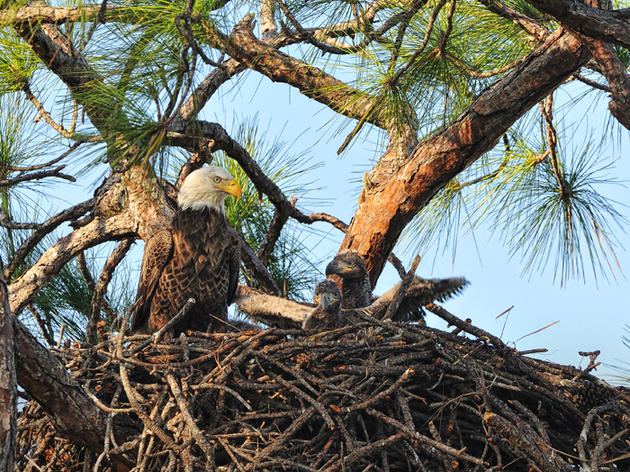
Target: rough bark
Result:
[[47, 381], [399, 189], [54, 258], [593, 22], [8, 384]]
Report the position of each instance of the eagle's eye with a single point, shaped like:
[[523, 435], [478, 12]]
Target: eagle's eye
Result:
[[217, 179]]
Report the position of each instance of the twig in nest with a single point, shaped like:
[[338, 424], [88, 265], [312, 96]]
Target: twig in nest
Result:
[[402, 289], [467, 327], [155, 337]]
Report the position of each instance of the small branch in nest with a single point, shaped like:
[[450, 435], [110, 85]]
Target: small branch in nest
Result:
[[194, 430], [402, 289], [398, 265], [592, 364], [467, 327], [155, 337]]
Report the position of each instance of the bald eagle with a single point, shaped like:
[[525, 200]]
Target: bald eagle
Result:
[[196, 257], [327, 314], [357, 291]]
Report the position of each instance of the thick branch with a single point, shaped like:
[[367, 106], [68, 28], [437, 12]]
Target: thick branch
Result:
[[593, 22], [8, 382], [400, 189], [618, 79], [279, 67], [45, 228], [39, 274]]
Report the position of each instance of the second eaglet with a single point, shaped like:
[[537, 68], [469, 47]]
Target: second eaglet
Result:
[[198, 257]]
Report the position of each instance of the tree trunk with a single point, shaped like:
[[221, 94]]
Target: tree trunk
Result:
[[8, 384], [398, 188]]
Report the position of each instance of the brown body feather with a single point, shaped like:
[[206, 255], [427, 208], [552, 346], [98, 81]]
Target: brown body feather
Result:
[[197, 258]]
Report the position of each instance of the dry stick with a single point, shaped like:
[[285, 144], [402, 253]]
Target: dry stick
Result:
[[228, 449], [225, 388], [460, 454], [398, 265], [321, 409], [402, 290], [467, 327], [196, 433], [360, 452], [385, 393], [131, 393], [100, 287], [155, 337]]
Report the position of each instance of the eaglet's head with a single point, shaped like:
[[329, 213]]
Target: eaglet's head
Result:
[[347, 264], [207, 188], [328, 296]]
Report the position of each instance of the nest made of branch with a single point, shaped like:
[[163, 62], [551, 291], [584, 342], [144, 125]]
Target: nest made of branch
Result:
[[375, 396]]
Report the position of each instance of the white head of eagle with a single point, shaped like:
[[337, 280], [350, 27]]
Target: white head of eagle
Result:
[[207, 187]]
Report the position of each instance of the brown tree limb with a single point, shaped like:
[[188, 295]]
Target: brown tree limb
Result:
[[443, 155], [200, 132], [45, 228], [618, 79], [8, 379], [529, 24], [594, 22], [42, 174], [54, 258], [243, 46]]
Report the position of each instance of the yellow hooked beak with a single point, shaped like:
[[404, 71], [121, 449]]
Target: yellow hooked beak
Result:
[[232, 187]]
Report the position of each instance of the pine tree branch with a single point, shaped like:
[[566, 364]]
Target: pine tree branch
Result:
[[38, 175], [8, 379], [594, 22], [313, 82], [443, 155], [529, 24], [45, 228], [55, 257], [618, 79]]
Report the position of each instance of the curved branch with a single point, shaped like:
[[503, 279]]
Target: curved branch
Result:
[[54, 258], [45, 228]]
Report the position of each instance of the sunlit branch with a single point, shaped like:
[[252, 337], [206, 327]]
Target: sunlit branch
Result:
[[55, 257], [203, 130], [45, 228], [528, 23]]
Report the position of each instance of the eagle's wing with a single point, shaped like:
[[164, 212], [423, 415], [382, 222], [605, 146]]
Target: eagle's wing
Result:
[[157, 252], [420, 292], [234, 257]]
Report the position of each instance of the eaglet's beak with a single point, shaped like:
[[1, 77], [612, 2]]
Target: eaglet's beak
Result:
[[232, 187]]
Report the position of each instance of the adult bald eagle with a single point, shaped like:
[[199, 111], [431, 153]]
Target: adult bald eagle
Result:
[[197, 257]]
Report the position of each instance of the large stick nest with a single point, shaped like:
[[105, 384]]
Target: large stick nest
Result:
[[375, 396]]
